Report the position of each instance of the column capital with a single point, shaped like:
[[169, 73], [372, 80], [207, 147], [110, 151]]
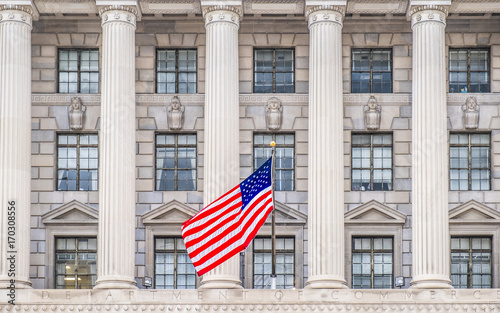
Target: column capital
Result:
[[17, 13], [325, 13], [222, 13], [119, 13], [428, 13]]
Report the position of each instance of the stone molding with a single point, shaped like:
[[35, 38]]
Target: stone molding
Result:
[[430, 13], [17, 13], [222, 13], [119, 13], [71, 213]]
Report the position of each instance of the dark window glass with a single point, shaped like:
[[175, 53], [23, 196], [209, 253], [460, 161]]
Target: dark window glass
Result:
[[371, 71], [176, 71], [372, 263], [76, 263], [471, 262], [371, 161], [77, 162], [173, 268], [285, 157], [274, 71], [78, 71], [175, 162], [469, 70], [285, 263], [470, 161]]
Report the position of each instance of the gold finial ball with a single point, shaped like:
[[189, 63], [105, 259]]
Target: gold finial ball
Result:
[[272, 143]]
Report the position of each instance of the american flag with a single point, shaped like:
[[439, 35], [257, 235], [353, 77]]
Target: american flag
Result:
[[227, 226]]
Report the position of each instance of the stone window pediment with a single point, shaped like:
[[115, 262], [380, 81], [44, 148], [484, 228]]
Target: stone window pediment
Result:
[[173, 212], [473, 212], [72, 213], [374, 212], [286, 215]]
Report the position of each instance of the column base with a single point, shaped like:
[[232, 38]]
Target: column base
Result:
[[326, 282], [431, 283], [220, 283], [115, 283], [19, 284]]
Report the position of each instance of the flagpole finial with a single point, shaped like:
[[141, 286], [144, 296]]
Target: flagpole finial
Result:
[[272, 143]]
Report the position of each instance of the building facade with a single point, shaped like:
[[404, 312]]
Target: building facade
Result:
[[120, 119]]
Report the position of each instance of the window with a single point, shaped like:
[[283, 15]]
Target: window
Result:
[[469, 70], [371, 71], [176, 71], [285, 157], [175, 162], [262, 263], [469, 161], [371, 161], [372, 262], [274, 71], [173, 268], [78, 71], [76, 263], [77, 162], [471, 262]]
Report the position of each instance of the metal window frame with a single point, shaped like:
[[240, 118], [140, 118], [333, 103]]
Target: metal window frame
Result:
[[470, 251], [372, 252], [469, 146], [175, 251], [469, 71], [371, 50], [282, 251], [372, 146], [79, 51], [76, 251], [274, 67], [176, 168], [77, 146], [254, 145], [176, 72]]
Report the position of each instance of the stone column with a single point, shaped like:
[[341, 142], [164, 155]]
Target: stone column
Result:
[[15, 144], [115, 267], [221, 159], [431, 237], [326, 153]]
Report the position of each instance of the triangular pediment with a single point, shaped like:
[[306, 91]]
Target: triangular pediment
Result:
[[287, 215], [374, 212], [73, 212], [173, 212], [473, 211]]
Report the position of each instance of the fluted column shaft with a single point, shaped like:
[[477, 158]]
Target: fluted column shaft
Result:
[[431, 237], [221, 159], [117, 150], [326, 156], [15, 144]]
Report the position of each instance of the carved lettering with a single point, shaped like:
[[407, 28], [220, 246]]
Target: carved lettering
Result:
[[279, 295], [45, 294], [109, 296], [453, 294], [222, 295], [176, 296], [131, 295], [498, 294], [153, 292], [335, 295], [409, 295], [384, 295], [433, 294], [200, 295], [358, 294], [300, 294], [68, 295], [477, 294], [244, 293]]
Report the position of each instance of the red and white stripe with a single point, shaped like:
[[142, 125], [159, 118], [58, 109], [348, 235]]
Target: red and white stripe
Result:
[[222, 229]]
